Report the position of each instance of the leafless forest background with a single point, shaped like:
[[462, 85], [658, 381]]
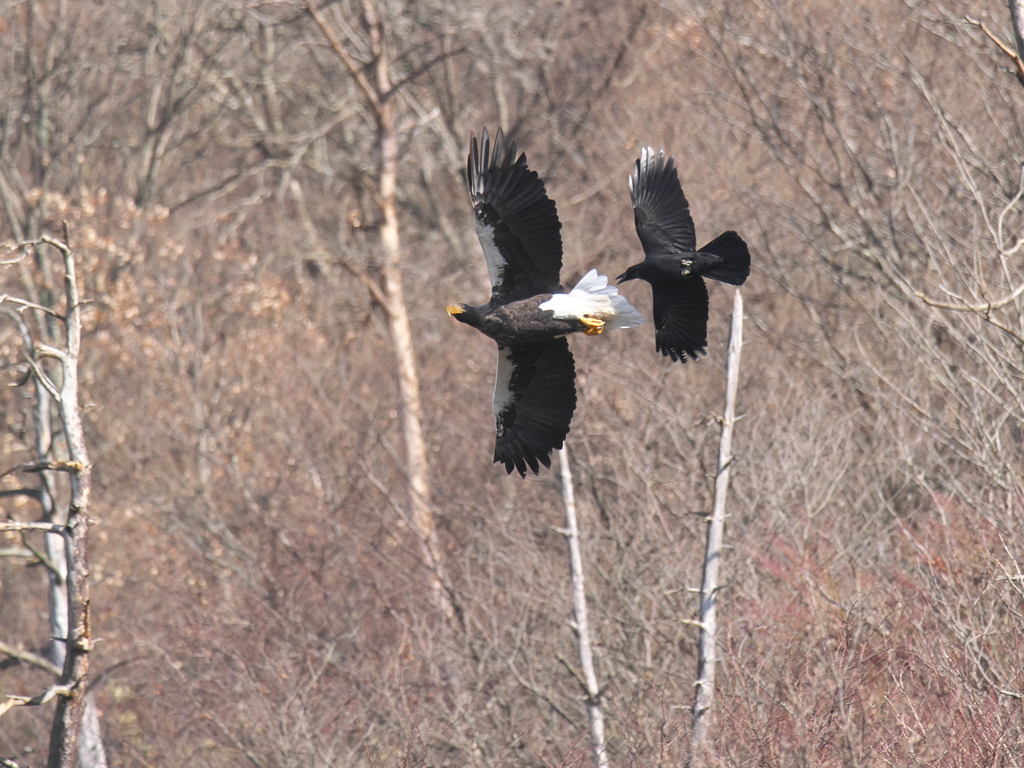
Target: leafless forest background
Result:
[[258, 594]]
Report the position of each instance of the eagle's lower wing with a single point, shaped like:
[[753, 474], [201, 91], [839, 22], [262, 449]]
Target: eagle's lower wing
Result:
[[534, 399]]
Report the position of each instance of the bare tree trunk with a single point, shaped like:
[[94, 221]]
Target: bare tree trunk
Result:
[[91, 753], [71, 688], [417, 467], [380, 94], [579, 607], [56, 552], [707, 654], [53, 387]]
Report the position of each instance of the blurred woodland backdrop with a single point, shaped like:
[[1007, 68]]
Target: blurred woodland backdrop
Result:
[[259, 594]]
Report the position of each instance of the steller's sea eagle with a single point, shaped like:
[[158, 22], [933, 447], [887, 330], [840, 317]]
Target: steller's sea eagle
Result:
[[528, 315], [674, 269]]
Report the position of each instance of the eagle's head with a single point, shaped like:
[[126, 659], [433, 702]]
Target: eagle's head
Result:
[[465, 314]]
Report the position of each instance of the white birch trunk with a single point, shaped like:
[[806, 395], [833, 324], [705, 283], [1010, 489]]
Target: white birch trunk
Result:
[[579, 606], [56, 552], [379, 93], [417, 466], [707, 652], [91, 753]]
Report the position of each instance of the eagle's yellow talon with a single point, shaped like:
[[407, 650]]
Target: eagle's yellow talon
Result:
[[593, 325]]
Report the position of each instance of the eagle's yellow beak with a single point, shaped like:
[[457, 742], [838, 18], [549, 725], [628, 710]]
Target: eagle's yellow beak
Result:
[[454, 309]]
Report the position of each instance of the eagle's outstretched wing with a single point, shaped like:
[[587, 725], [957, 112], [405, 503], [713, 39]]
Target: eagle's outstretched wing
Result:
[[516, 221], [534, 399]]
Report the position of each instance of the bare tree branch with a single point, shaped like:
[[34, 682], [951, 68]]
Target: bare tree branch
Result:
[[32, 658], [1013, 54], [34, 701], [16, 525], [356, 69], [980, 309], [25, 304]]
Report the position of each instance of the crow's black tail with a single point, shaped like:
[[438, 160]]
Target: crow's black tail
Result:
[[731, 249]]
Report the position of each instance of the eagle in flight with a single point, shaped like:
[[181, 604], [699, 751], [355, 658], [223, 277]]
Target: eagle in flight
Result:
[[672, 266], [528, 314]]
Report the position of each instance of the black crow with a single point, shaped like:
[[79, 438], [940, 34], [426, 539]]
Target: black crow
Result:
[[674, 269]]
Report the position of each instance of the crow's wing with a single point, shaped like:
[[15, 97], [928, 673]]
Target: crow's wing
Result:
[[681, 318], [660, 211]]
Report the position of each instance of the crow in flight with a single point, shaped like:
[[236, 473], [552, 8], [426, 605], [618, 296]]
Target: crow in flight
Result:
[[672, 265]]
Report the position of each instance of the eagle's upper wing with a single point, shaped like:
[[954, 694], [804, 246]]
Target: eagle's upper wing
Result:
[[660, 210], [681, 317], [516, 221], [534, 398]]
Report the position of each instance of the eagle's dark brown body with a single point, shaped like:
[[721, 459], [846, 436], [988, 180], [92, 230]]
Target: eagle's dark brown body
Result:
[[520, 322]]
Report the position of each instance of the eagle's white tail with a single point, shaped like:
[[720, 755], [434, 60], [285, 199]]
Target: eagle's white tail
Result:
[[593, 297]]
